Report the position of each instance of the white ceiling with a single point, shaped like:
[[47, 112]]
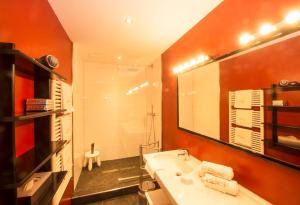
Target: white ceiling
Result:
[[100, 29]]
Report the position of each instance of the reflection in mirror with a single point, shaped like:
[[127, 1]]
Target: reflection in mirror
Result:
[[204, 106], [199, 97]]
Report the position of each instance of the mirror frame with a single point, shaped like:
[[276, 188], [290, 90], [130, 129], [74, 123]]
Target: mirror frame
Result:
[[291, 31]]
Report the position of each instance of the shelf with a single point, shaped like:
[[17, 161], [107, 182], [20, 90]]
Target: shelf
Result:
[[30, 115], [281, 107], [283, 126], [280, 145], [57, 179], [284, 88], [48, 191], [30, 162], [31, 60]]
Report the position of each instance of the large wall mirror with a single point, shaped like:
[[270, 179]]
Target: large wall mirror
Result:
[[198, 101], [237, 99]]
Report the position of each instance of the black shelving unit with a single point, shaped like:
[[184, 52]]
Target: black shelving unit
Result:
[[14, 171], [275, 109]]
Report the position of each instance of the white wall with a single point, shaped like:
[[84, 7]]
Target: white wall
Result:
[[78, 115]]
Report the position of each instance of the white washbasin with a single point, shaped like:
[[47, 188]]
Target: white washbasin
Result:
[[170, 161], [180, 181]]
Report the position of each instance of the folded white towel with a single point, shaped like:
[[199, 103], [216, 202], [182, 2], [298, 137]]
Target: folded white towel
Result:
[[244, 118], [216, 169], [289, 140], [222, 185], [243, 99], [243, 137]]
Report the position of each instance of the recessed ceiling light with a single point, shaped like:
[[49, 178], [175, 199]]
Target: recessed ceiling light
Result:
[[128, 20], [119, 57]]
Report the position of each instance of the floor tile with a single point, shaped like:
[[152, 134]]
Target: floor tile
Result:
[[131, 199], [106, 176]]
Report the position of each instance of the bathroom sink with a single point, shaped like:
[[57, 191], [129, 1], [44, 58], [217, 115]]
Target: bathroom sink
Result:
[[184, 167], [179, 180], [171, 161]]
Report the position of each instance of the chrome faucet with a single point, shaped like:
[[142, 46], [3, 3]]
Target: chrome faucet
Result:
[[184, 153]]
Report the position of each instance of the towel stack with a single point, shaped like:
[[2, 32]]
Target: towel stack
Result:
[[39, 104], [218, 177]]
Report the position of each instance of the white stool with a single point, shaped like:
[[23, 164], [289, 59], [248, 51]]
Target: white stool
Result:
[[89, 158]]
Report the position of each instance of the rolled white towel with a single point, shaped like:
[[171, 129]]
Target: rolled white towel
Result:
[[216, 170], [289, 140], [222, 185]]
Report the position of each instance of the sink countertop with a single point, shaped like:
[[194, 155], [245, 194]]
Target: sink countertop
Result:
[[195, 193]]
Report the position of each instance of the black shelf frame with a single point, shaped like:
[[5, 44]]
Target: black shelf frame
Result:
[[23, 56], [282, 126], [56, 180], [14, 171], [31, 115], [287, 107], [24, 166], [280, 146], [274, 124], [39, 158]]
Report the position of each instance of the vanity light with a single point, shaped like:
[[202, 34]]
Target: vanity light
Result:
[[292, 17], [246, 38], [193, 62], [202, 58], [266, 29], [176, 70], [186, 65]]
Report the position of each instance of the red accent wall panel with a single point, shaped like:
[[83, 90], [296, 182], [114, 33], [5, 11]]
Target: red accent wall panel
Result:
[[35, 29], [217, 34], [24, 137]]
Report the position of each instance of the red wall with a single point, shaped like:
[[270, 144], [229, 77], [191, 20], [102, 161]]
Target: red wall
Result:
[[215, 35], [35, 29]]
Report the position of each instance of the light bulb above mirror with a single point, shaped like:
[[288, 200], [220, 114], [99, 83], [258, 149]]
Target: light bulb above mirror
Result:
[[201, 59], [267, 31], [291, 19]]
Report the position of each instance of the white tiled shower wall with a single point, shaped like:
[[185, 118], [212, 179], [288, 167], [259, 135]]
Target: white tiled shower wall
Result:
[[106, 115], [114, 119]]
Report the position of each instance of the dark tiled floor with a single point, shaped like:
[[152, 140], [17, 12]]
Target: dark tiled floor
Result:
[[106, 176], [131, 199]]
